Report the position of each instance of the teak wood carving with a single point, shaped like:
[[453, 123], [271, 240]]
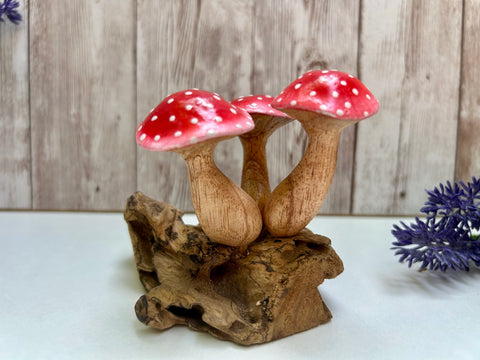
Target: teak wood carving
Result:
[[249, 271]]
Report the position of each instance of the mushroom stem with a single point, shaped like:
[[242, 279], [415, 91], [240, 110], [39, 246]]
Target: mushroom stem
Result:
[[226, 213], [255, 180], [297, 199]]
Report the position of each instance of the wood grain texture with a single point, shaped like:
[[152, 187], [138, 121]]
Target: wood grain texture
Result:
[[292, 37], [226, 213], [468, 144], [254, 296], [82, 103], [297, 199], [15, 169], [98, 67], [410, 59], [204, 44]]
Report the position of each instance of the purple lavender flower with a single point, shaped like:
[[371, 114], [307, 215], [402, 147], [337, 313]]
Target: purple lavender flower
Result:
[[447, 238], [9, 9], [459, 201]]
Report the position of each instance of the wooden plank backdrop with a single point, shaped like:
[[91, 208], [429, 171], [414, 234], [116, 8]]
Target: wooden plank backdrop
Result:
[[77, 77], [15, 161]]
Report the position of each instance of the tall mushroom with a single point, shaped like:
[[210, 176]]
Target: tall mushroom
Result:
[[191, 123], [255, 179], [325, 102]]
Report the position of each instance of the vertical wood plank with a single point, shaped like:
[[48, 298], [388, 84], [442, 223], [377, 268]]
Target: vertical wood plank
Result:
[[292, 37], [82, 103], [204, 44], [468, 141], [410, 59], [15, 165], [165, 61]]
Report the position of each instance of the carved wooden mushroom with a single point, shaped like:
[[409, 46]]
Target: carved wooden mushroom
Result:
[[255, 180], [325, 102], [191, 123]]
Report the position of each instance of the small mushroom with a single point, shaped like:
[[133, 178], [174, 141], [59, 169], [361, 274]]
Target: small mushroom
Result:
[[255, 180], [191, 123], [325, 102]]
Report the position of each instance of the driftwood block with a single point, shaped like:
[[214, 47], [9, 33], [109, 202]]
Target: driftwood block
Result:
[[251, 296]]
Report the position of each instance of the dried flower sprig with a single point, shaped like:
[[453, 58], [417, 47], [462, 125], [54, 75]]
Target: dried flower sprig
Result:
[[9, 9], [447, 239]]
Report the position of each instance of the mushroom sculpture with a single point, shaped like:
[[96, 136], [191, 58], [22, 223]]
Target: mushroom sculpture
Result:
[[325, 102], [255, 179], [191, 123]]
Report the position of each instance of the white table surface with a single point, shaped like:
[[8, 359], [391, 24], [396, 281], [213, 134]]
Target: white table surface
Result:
[[68, 286]]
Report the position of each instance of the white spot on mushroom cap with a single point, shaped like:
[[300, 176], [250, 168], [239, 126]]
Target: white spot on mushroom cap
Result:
[[177, 133], [156, 138], [343, 82], [142, 137], [211, 132], [171, 118], [348, 105], [365, 113], [233, 111], [298, 86], [335, 94], [238, 126], [210, 106], [154, 117], [139, 128], [188, 93], [340, 112], [169, 101], [293, 103], [279, 99], [188, 107], [259, 98], [313, 93], [218, 119], [355, 91], [368, 97], [216, 97], [323, 107], [194, 120]]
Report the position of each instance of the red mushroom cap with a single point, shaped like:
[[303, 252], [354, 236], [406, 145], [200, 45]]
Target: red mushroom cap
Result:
[[329, 92], [188, 117], [258, 104]]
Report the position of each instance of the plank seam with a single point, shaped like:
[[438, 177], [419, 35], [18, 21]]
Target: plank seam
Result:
[[29, 101], [355, 132], [460, 93]]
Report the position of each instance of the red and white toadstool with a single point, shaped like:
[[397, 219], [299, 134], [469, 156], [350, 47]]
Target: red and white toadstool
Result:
[[325, 102], [255, 180], [191, 123]]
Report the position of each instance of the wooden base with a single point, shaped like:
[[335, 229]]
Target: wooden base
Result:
[[250, 296]]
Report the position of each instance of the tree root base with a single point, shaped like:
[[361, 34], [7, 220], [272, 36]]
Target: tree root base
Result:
[[250, 296]]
